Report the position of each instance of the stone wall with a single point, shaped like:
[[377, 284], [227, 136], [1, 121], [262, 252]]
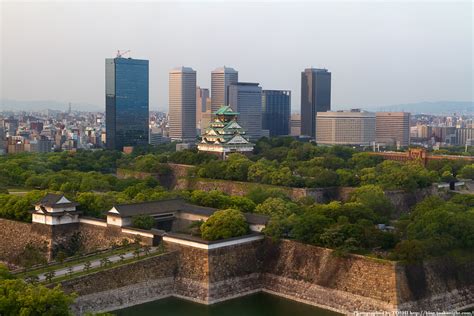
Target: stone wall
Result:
[[168, 181], [127, 285], [314, 275], [436, 285], [238, 188], [192, 272], [401, 200], [297, 271], [14, 236], [235, 270]]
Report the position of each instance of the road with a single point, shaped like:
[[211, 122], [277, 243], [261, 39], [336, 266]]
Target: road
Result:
[[94, 264]]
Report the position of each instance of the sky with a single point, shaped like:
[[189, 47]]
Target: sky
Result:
[[379, 52]]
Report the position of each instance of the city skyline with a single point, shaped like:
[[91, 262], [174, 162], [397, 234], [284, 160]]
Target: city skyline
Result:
[[366, 50]]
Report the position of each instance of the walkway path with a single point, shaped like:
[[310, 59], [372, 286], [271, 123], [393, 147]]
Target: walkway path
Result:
[[94, 264]]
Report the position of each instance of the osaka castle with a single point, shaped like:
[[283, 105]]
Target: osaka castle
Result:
[[224, 135]]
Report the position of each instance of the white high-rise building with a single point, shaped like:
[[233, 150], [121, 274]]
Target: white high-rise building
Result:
[[221, 78], [353, 127], [182, 104]]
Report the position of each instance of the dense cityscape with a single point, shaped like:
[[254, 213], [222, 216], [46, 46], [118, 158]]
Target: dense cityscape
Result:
[[127, 121], [230, 198]]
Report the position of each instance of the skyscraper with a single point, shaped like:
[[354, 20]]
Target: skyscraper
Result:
[[182, 104], [393, 128], [246, 99], [203, 107], [221, 78], [315, 97], [276, 109], [126, 102]]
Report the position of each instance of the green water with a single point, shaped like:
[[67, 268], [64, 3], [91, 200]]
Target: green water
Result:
[[260, 304]]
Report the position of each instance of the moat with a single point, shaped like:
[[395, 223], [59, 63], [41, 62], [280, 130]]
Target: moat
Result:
[[260, 304]]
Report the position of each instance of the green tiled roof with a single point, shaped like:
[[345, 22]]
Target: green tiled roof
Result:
[[225, 110]]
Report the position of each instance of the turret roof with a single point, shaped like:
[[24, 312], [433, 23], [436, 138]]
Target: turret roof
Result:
[[225, 110]]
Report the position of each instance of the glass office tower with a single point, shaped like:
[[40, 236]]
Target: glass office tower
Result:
[[276, 110], [315, 97], [126, 102], [246, 98]]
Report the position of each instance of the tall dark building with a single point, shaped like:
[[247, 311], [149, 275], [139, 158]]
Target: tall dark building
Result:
[[276, 111], [246, 99], [315, 97], [126, 102]]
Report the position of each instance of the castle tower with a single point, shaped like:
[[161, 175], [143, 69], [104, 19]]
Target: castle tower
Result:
[[224, 135]]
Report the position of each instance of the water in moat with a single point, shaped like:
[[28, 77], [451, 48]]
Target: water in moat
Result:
[[260, 304]]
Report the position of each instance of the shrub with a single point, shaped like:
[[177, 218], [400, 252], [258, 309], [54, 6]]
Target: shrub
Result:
[[224, 224], [143, 221]]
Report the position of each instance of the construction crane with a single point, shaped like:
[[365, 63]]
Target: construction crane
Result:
[[121, 53]]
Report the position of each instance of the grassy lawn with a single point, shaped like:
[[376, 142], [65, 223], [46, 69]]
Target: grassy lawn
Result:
[[77, 261]]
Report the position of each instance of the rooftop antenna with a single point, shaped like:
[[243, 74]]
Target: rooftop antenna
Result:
[[121, 53]]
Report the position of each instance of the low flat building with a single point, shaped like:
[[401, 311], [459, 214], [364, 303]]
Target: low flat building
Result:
[[353, 127], [173, 215]]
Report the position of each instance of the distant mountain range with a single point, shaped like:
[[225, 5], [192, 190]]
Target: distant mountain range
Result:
[[439, 107]]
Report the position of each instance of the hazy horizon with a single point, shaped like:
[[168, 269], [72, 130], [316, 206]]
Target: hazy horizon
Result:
[[378, 53]]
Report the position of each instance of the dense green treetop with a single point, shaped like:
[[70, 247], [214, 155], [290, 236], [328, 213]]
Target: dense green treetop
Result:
[[20, 298], [224, 224]]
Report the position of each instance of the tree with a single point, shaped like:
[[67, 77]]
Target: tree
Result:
[[364, 160], [347, 178], [136, 253], [374, 198], [87, 265], [280, 227], [467, 172], [237, 166], [147, 249], [261, 171], [309, 226], [61, 256], [104, 262], [49, 276], [410, 251], [447, 176], [32, 279], [242, 204], [21, 298], [5, 274], [224, 224], [259, 194], [143, 221], [276, 207]]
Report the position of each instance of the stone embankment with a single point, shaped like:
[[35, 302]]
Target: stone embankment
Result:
[[297, 271], [92, 234], [180, 178]]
